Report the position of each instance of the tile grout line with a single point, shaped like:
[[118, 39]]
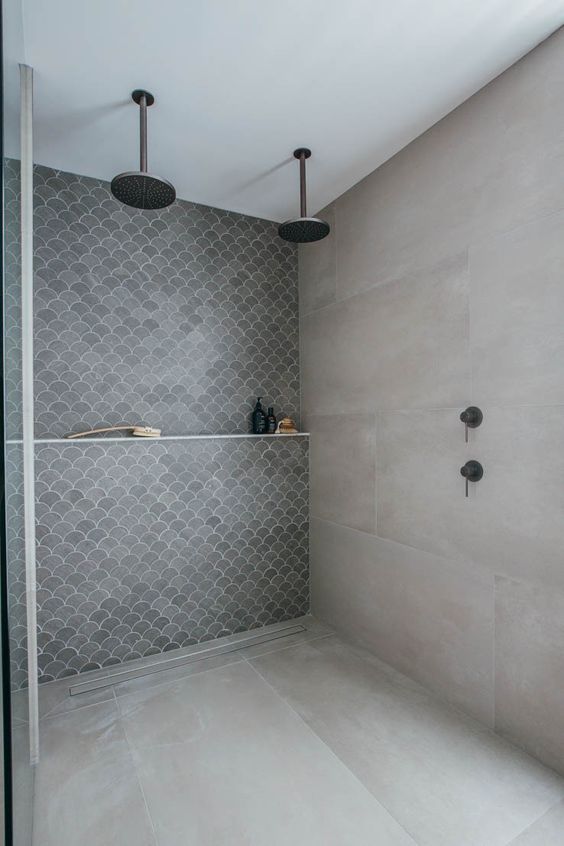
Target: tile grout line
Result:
[[177, 680], [135, 769], [52, 714], [288, 646], [479, 724], [487, 730], [451, 563], [494, 647], [455, 565], [531, 824], [469, 347], [332, 752], [357, 412], [375, 466], [466, 246]]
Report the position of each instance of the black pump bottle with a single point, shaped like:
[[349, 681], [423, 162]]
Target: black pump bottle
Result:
[[259, 419]]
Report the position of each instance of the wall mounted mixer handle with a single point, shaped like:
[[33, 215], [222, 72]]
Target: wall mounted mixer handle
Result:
[[472, 418], [472, 472]]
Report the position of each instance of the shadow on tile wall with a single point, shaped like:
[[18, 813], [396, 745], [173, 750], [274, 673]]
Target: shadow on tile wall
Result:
[[441, 286], [177, 318]]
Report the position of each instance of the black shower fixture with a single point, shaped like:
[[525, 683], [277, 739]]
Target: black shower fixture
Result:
[[139, 188], [472, 417], [303, 229], [472, 472]]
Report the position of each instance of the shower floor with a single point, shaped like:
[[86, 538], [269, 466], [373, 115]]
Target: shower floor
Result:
[[304, 741]]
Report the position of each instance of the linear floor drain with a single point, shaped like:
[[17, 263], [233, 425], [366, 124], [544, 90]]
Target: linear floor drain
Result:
[[197, 654]]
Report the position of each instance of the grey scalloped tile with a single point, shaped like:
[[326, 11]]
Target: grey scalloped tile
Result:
[[176, 318], [15, 553], [12, 300], [149, 546]]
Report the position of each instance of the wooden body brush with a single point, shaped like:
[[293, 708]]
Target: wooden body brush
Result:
[[137, 431]]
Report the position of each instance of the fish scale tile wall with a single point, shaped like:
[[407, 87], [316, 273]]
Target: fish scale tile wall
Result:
[[15, 549], [150, 545], [176, 318], [12, 300], [15, 556]]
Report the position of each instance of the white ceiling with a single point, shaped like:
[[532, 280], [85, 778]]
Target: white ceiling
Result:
[[240, 83]]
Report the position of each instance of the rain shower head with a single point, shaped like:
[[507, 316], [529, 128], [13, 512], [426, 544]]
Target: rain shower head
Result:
[[303, 229], [140, 189]]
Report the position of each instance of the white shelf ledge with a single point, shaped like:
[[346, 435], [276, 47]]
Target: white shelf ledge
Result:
[[129, 439]]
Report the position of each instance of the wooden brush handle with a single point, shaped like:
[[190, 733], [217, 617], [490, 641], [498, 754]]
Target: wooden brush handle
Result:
[[99, 431]]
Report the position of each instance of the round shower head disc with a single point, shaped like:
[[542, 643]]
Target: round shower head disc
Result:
[[142, 190], [304, 230]]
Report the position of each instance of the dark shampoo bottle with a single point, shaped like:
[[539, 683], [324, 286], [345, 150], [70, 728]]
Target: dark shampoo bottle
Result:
[[270, 422], [259, 419]]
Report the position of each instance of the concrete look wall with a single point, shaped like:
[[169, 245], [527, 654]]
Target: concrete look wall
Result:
[[441, 286]]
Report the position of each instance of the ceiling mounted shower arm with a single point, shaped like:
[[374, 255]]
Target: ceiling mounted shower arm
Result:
[[302, 153], [143, 134], [303, 229], [143, 99], [140, 189], [303, 204]]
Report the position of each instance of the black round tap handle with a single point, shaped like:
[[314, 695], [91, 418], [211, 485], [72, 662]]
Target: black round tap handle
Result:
[[472, 472], [471, 417]]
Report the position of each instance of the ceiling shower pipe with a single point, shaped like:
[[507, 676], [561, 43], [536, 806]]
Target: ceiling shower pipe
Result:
[[143, 130], [303, 229], [140, 189]]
